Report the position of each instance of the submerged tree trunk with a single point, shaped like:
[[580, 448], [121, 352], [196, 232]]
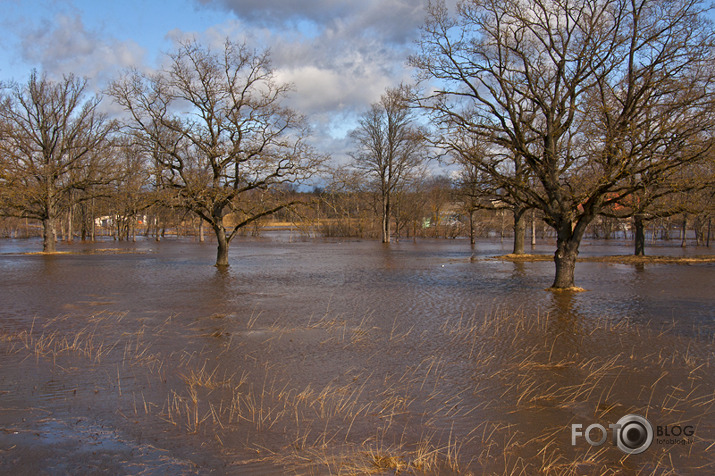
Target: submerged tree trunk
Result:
[[222, 251], [519, 230], [157, 235], [70, 224], [568, 239], [386, 219], [48, 235], [565, 260], [639, 234], [83, 221], [93, 222], [471, 227]]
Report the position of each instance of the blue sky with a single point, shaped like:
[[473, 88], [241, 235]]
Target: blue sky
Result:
[[339, 54]]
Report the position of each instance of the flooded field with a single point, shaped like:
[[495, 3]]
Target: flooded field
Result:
[[348, 357]]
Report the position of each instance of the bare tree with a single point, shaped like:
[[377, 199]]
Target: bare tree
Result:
[[215, 126], [134, 191], [53, 145], [681, 191], [390, 147], [350, 204], [480, 190], [590, 93]]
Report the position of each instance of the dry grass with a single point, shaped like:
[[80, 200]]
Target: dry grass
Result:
[[534, 378], [473, 394]]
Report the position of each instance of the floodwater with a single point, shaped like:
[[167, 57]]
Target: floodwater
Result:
[[348, 357]]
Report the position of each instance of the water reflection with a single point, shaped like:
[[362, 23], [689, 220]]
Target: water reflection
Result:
[[565, 322], [519, 270], [425, 280]]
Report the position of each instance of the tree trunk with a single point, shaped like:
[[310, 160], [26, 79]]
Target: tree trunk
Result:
[[568, 239], [48, 235], [147, 225], [157, 236], [386, 219], [471, 227], [222, 251], [501, 231], [70, 224], [92, 221], [397, 227], [565, 260], [83, 221], [519, 231], [684, 231], [639, 234], [533, 227], [201, 230]]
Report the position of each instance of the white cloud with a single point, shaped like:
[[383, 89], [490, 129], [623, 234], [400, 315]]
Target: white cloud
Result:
[[65, 46], [340, 55], [320, 90]]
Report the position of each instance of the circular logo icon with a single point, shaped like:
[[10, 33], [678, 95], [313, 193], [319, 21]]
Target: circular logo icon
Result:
[[634, 434]]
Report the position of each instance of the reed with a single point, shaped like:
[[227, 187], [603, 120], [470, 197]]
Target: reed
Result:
[[460, 402]]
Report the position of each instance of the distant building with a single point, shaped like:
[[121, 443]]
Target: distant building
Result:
[[104, 221]]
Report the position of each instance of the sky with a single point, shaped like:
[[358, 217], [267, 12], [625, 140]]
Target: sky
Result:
[[340, 55]]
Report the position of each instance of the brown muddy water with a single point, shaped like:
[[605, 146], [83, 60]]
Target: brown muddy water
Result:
[[327, 357]]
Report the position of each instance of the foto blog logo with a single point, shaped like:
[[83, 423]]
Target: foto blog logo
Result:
[[633, 434]]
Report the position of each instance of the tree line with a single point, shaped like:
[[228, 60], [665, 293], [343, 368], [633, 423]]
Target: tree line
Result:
[[573, 114]]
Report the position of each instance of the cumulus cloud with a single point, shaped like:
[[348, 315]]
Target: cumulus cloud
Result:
[[393, 20], [348, 55], [273, 12], [335, 81], [65, 46], [339, 55]]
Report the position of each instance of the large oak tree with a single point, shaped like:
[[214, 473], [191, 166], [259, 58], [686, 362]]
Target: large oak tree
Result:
[[591, 94]]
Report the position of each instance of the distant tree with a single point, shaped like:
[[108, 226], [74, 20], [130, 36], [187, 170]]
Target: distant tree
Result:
[[410, 206], [389, 147], [348, 202], [469, 193], [438, 193], [591, 94], [134, 191], [54, 144], [478, 187], [219, 134], [681, 192]]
